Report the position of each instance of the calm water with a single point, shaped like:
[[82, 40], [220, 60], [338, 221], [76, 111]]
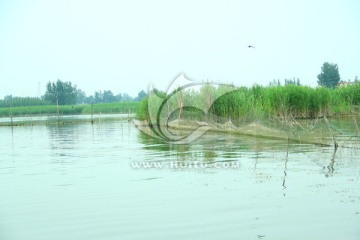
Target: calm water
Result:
[[109, 181]]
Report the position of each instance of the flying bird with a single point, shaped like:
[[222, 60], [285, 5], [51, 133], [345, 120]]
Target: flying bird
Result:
[[251, 46]]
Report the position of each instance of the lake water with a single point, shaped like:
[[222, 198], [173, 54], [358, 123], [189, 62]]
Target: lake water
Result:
[[110, 181]]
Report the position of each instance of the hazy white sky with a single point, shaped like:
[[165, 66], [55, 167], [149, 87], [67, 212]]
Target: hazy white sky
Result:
[[125, 45]]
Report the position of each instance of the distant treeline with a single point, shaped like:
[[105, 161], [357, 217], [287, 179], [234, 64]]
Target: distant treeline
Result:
[[22, 101], [107, 96], [289, 101], [103, 108], [100, 97], [65, 93]]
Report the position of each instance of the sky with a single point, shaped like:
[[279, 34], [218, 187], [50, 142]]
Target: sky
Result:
[[124, 46]]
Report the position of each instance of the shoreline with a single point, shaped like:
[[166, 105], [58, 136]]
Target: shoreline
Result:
[[63, 119]]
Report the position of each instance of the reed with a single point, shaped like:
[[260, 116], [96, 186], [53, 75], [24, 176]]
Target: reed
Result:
[[290, 101]]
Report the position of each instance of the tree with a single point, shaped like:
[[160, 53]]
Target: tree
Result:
[[292, 81], [126, 98], [105, 96], [141, 95], [118, 98], [61, 93], [80, 96], [108, 96], [274, 83], [329, 76], [90, 99], [98, 97]]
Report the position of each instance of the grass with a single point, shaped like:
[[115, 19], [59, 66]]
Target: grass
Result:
[[118, 107], [290, 101]]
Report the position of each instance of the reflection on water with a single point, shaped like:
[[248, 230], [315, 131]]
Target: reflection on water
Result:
[[330, 167], [285, 169], [78, 182]]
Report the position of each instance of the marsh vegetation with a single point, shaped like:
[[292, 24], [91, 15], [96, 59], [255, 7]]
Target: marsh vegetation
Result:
[[290, 101], [100, 108]]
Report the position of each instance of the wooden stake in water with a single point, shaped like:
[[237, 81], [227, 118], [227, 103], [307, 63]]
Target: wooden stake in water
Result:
[[11, 118], [57, 110], [92, 113], [356, 125]]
